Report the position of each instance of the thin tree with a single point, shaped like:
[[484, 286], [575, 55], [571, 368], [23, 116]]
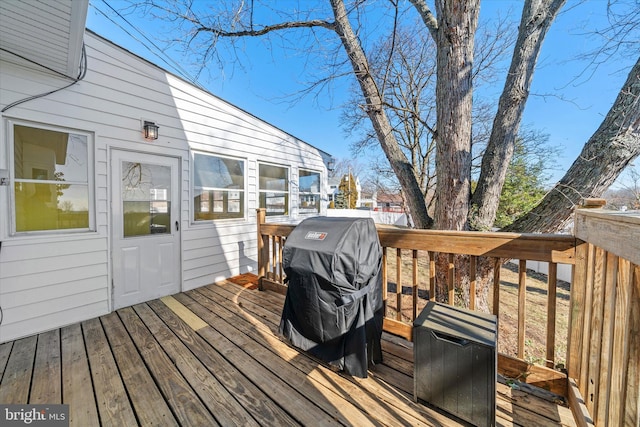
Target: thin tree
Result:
[[349, 191], [537, 17]]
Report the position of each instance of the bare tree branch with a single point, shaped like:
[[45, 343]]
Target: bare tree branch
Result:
[[379, 119], [537, 17], [612, 147], [425, 13], [266, 29]]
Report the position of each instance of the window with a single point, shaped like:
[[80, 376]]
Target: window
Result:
[[218, 187], [274, 189], [309, 191], [51, 178], [146, 199]]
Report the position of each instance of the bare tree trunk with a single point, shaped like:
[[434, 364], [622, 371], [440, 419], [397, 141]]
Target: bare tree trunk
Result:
[[454, 33], [537, 17], [457, 22], [612, 147], [399, 162]]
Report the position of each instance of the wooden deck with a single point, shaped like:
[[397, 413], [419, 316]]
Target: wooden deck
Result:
[[211, 356]]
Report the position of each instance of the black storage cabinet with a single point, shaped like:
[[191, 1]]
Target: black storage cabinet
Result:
[[455, 362], [333, 308]]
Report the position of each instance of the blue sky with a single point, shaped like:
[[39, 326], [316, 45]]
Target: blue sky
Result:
[[268, 74]]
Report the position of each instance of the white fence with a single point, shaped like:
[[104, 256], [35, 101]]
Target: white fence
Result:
[[391, 218], [564, 270]]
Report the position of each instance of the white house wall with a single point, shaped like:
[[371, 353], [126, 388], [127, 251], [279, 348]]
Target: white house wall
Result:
[[49, 32], [51, 280]]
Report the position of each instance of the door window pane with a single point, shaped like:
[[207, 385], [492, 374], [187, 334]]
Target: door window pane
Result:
[[146, 199], [51, 186]]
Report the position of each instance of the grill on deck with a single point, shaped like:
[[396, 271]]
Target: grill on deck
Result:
[[333, 308]]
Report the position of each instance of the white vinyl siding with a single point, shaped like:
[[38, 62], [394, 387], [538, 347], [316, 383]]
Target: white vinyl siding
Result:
[[50, 281], [47, 32]]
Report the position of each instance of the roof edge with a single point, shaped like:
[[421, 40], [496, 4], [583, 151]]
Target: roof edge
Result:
[[93, 33]]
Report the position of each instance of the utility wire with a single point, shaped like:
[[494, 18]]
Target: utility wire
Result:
[[81, 74], [161, 54], [38, 64], [174, 65]]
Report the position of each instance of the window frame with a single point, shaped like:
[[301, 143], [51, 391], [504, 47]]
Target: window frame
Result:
[[308, 193], [244, 190], [287, 193], [91, 179]]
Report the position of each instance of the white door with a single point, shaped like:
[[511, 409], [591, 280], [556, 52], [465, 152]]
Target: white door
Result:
[[145, 210]]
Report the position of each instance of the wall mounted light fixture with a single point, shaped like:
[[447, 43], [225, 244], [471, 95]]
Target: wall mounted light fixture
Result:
[[150, 130]]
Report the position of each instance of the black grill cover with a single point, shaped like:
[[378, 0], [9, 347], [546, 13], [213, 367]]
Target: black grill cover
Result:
[[333, 308]]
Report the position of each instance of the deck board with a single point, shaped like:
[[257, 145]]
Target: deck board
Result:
[[183, 401], [147, 401], [17, 373], [249, 396], [5, 351], [216, 398], [319, 375], [77, 386], [275, 380], [379, 407], [46, 387], [113, 403], [213, 356]]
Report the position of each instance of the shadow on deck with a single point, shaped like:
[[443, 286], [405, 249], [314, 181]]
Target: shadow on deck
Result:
[[212, 356]]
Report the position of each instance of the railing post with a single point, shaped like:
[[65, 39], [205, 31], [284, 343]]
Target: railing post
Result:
[[604, 346], [262, 246], [576, 312], [552, 283], [522, 300], [497, 265]]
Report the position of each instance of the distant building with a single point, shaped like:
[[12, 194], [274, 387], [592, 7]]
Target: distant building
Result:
[[389, 202], [368, 200], [333, 184]]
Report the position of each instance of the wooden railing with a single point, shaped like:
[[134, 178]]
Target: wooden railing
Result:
[[413, 265], [603, 359], [602, 383]]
